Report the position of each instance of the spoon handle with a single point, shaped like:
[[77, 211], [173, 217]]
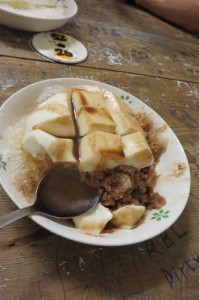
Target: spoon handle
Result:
[[16, 215]]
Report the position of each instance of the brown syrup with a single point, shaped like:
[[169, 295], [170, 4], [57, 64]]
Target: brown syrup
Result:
[[76, 138], [83, 99], [91, 110]]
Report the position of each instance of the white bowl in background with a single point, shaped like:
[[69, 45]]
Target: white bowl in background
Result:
[[19, 21], [171, 183]]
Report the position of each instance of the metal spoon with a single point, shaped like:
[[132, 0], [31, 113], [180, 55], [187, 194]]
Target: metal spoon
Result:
[[60, 194]]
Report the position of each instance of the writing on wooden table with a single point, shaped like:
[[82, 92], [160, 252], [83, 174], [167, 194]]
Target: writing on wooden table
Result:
[[175, 276], [168, 242]]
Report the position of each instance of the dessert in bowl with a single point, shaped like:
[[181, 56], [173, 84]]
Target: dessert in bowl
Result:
[[115, 147], [36, 15]]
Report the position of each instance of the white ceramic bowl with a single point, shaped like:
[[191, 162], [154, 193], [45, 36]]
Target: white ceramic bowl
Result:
[[173, 181], [37, 24]]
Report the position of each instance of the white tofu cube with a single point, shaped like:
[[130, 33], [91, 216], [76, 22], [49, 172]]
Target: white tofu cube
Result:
[[127, 216], [125, 122], [137, 151], [93, 221], [100, 150], [38, 143], [87, 98], [92, 119], [114, 103], [52, 116]]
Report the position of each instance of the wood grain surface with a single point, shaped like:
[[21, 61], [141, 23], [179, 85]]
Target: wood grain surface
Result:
[[157, 63]]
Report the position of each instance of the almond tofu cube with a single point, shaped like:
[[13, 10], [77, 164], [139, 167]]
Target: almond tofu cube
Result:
[[59, 127], [87, 98], [61, 150], [63, 97], [89, 155], [92, 119], [127, 216], [137, 151], [52, 116], [125, 122], [38, 143], [114, 103], [93, 221], [100, 150]]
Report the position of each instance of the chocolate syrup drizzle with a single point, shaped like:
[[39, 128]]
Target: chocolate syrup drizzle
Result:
[[76, 138]]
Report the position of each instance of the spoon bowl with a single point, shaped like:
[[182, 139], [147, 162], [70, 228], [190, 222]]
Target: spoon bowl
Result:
[[60, 194]]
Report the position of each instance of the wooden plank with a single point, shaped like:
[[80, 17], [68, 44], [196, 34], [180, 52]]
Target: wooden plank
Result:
[[131, 41], [167, 97], [35, 264], [119, 15]]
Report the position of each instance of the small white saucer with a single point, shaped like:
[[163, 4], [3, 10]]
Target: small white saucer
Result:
[[59, 47]]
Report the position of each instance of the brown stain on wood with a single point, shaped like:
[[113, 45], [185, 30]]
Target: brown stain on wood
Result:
[[25, 240], [191, 158]]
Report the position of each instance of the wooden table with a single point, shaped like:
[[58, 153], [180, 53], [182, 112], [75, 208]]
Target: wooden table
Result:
[[158, 63]]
